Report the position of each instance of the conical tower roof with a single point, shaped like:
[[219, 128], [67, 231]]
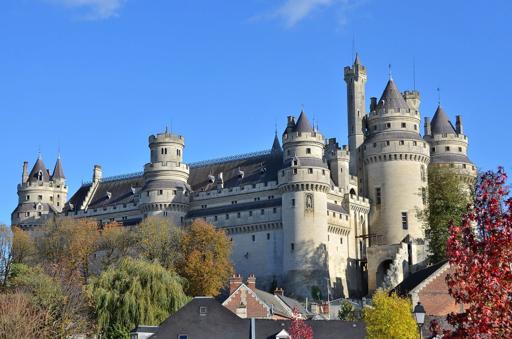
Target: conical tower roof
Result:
[[39, 167], [440, 123], [276, 146], [58, 172], [392, 98], [303, 124]]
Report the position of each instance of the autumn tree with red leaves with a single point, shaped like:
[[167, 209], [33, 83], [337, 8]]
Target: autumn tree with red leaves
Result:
[[298, 327], [480, 253]]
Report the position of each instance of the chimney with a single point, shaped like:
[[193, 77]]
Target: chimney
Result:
[[279, 291], [373, 104], [251, 282], [97, 173], [291, 121], [24, 177], [234, 282], [428, 130], [458, 125]]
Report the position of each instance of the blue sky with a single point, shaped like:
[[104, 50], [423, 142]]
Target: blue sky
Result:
[[94, 78]]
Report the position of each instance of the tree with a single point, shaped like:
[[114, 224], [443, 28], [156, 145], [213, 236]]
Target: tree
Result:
[[18, 317], [5, 254], [64, 310], [115, 242], [67, 244], [157, 239], [447, 198], [206, 263], [23, 246], [390, 317], [480, 252], [298, 327], [348, 312], [136, 292]]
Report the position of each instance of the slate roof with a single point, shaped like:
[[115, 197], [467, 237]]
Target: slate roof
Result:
[[413, 280], [336, 208], [303, 125], [235, 208], [220, 323], [392, 98], [440, 123], [393, 135], [58, 172], [39, 166], [273, 302]]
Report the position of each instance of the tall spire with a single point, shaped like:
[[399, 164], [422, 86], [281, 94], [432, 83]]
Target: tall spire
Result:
[[276, 146], [58, 172], [356, 60]]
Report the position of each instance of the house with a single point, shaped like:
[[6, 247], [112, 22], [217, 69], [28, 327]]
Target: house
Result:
[[429, 287], [205, 317], [247, 301]]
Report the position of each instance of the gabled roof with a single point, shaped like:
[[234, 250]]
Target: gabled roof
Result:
[[392, 98], [58, 172], [413, 280], [440, 123], [39, 167], [303, 125]]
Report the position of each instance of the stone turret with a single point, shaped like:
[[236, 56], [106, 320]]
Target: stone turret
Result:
[[395, 161], [165, 191], [355, 77], [40, 194], [338, 160], [449, 145], [304, 182]]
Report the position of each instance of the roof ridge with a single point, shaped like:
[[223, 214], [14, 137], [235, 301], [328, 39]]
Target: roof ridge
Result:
[[229, 158]]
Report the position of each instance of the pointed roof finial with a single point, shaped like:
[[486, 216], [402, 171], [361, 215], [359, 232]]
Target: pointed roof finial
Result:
[[301, 108], [438, 96], [389, 72], [166, 129], [356, 60]]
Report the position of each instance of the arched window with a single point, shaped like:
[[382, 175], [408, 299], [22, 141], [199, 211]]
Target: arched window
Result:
[[40, 175]]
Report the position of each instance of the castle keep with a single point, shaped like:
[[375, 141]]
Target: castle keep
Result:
[[307, 213]]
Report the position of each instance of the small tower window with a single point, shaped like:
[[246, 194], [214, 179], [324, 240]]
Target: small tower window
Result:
[[308, 150], [40, 175], [388, 125], [378, 198], [447, 148], [415, 127], [274, 210], [268, 236], [292, 246], [405, 221], [404, 125], [165, 150], [402, 142], [250, 213], [227, 216], [262, 212], [215, 218], [160, 192], [238, 215], [310, 170], [162, 151], [294, 171], [178, 152], [27, 197], [293, 202], [460, 149], [433, 150], [253, 238]]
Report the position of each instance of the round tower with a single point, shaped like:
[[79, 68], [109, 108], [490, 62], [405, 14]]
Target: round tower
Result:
[[396, 160], [304, 182], [449, 145], [165, 192]]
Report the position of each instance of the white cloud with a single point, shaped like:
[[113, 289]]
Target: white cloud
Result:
[[95, 9], [294, 11]]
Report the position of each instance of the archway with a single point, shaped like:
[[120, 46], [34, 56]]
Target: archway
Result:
[[381, 272]]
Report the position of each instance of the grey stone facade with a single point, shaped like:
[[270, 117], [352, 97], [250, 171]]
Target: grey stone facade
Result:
[[305, 214]]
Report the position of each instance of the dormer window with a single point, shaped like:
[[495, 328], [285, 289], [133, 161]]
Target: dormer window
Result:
[[40, 175]]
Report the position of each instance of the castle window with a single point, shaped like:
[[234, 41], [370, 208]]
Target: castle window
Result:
[[160, 192], [433, 150], [310, 170], [58, 203], [447, 148], [39, 197], [215, 218], [253, 237], [28, 214], [292, 246], [293, 202], [308, 150], [414, 143], [203, 206], [282, 173], [404, 125], [234, 202], [162, 151], [375, 127], [415, 127], [51, 198], [268, 236], [257, 199], [405, 221], [147, 193], [387, 143], [464, 166], [460, 149], [295, 162], [327, 213], [250, 213], [388, 125], [227, 216], [253, 185], [27, 197], [341, 241], [378, 198], [238, 215], [274, 210], [270, 197], [262, 212], [374, 144], [165, 150], [401, 142], [178, 152], [39, 214], [174, 192], [294, 171], [323, 172]]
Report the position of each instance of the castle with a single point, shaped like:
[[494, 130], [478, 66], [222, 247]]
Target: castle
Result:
[[308, 214]]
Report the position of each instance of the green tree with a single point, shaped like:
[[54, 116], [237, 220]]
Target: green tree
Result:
[[6, 257], [349, 312], [206, 260], [157, 239], [390, 317], [447, 198], [135, 292]]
